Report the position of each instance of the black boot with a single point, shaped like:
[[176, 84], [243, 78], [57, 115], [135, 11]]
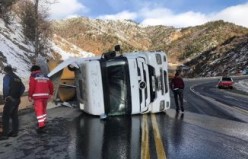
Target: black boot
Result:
[[41, 130], [4, 137], [12, 134], [182, 109]]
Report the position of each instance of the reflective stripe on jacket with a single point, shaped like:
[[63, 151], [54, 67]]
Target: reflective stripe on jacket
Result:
[[40, 86]]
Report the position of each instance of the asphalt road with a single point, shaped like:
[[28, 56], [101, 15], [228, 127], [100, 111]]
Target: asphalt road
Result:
[[203, 97], [206, 130]]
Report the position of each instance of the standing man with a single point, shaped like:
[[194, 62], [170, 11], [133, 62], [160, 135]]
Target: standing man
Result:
[[13, 89], [40, 91], [177, 86]]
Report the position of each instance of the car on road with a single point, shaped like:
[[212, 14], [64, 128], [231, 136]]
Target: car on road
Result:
[[225, 82]]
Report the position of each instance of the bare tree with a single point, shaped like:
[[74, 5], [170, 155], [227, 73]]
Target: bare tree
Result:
[[36, 26], [42, 25], [5, 8], [28, 21], [36, 13]]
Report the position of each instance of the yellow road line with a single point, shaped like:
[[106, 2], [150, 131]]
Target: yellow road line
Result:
[[158, 140], [145, 152]]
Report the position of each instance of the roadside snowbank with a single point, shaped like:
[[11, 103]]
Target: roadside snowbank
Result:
[[242, 85]]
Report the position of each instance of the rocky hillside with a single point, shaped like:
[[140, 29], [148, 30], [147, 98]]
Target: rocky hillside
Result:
[[186, 45], [204, 48], [181, 45], [192, 41], [14, 49], [229, 58], [99, 36], [17, 51]]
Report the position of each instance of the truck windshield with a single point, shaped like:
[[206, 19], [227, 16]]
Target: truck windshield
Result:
[[116, 86]]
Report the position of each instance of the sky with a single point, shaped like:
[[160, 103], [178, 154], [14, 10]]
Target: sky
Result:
[[177, 13]]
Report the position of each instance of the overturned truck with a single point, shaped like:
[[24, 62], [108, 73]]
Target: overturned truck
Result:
[[131, 83]]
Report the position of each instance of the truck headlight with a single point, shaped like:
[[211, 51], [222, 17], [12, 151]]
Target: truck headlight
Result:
[[162, 105]]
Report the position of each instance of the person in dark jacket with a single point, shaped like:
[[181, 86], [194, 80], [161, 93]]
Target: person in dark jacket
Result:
[[177, 86], [13, 88]]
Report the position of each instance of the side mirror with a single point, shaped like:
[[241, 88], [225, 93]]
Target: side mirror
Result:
[[72, 67]]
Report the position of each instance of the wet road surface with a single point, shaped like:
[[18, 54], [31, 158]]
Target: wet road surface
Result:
[[73, 134], [206, 98]]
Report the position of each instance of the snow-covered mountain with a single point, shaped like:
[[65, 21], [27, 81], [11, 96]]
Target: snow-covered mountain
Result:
[[14, 50], [230, 58], [88, 37], [210, 49], [18, 52], [183, 46]]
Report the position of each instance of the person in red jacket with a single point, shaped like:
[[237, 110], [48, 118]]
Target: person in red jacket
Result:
[[177, 86], [40, 91]]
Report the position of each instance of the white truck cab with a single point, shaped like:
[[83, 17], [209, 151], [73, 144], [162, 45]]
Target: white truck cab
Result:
[[132, 83]]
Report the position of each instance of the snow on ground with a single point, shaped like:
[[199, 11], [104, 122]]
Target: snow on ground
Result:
[[16, 51], [242, 85], [15, 56], [12, 46], [74, 51]]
